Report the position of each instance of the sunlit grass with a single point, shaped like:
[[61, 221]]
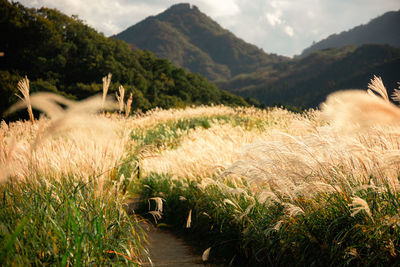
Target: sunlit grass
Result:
[[62, 196], [310, 188], [264, 187]]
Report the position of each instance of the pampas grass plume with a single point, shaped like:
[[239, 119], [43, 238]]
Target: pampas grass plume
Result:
[[376, 85], [23, 87], [206, 254], [396, 94], [189, 220], [106, 85], [356, 109], [120, 98], [128, 105], [358, 204]]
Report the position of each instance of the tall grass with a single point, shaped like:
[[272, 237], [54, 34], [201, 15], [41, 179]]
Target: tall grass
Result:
[[262, 187], [62, 196], [72, 143], [309, 189], [63, 221]]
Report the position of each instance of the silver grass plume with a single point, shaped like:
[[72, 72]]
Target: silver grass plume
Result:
[[376, 85], [106, 85], [156, 215], [365, 109], [358, 204], [159, 203], [396, 94], [76, 113], [128, 105], [120, 98], [23, 87], [351, 109], [189, 220], [206, 254]]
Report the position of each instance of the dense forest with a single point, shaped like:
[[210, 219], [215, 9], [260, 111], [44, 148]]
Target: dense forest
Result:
[[305, 82], [62, 54]]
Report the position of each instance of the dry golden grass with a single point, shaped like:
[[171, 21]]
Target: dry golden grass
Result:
[[128, 105], [106, 85], [80, 151], [157, 116], [120, 98], [205, 152], [354, 111], [74, 141], [68, 163], [23, 87], [295, 155]]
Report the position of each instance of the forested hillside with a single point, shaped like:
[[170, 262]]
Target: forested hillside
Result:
[[305, 82], [191, 39], [62, 54], [381, 30]]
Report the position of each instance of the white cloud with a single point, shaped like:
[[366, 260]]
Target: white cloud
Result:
[[289, 30], [219, 8], [109, 17], [274, 18], [310, 14], [275, 4]]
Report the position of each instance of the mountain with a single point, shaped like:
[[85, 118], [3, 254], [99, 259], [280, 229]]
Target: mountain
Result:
[[191, 39], [194, 41], [61, 54], [305, 82], [384, 29]]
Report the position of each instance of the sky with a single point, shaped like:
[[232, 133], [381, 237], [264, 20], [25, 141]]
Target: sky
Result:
[[283, 27]]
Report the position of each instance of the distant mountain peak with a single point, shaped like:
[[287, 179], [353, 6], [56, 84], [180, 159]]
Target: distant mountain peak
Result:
[[183, 7], [191, 39]]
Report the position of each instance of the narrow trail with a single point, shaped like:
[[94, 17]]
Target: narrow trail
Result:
[[166, 249]]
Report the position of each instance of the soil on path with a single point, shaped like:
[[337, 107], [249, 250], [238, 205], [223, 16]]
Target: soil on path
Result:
[[166, 249]]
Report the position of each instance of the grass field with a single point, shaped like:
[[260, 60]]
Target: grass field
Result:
[[263, 187]]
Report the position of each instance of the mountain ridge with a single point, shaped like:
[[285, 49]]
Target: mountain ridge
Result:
[[204, 46], [380, 30], [307, 81], [300, 81]]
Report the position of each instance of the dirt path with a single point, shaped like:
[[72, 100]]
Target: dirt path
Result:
[[168, 250]]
